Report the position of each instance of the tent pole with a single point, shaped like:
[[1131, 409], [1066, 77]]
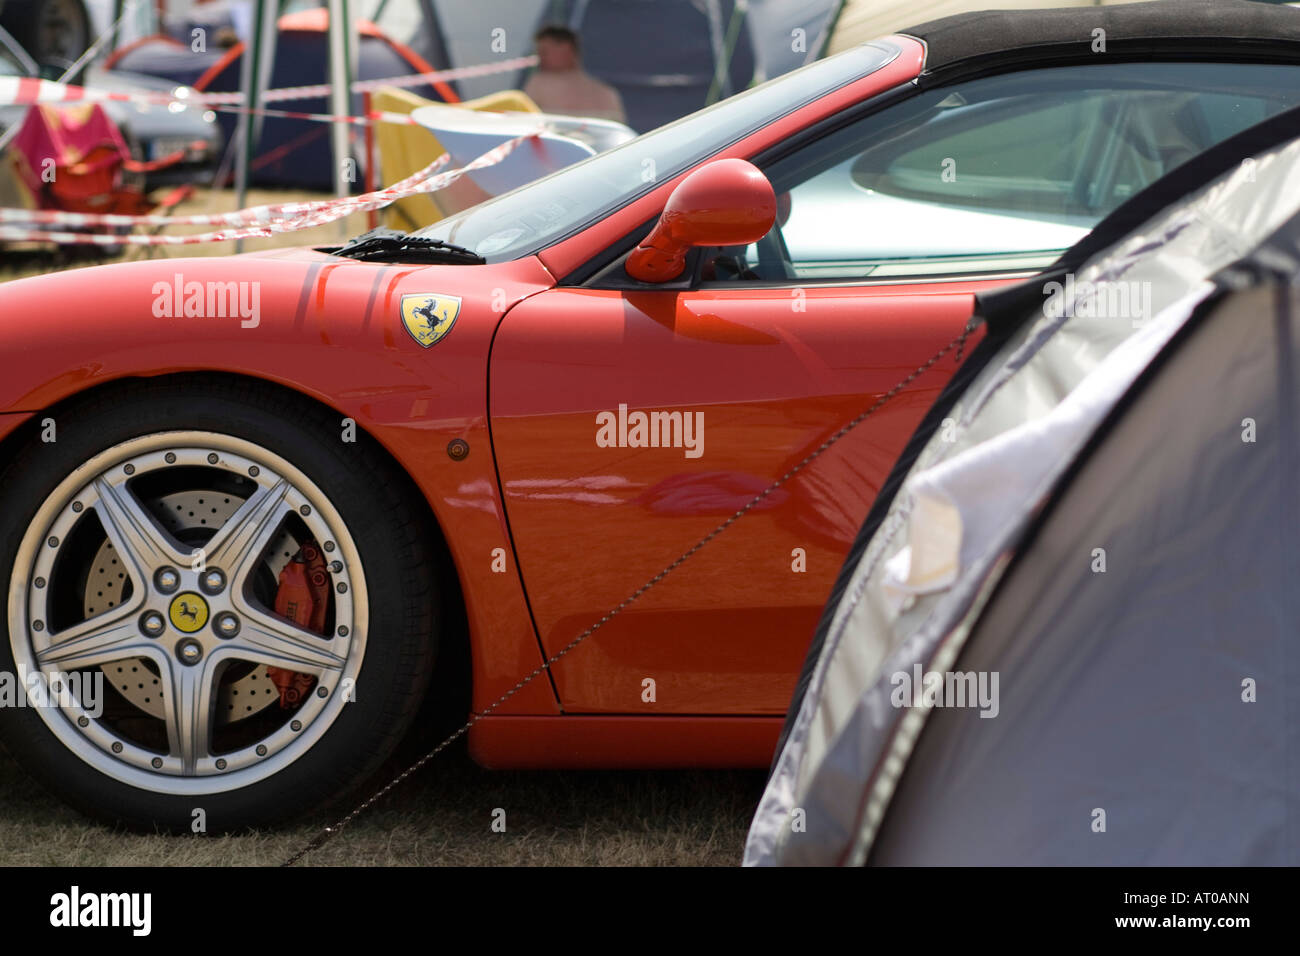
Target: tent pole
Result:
[[117, 24], [341, 52], [372, 217], [253, 76]]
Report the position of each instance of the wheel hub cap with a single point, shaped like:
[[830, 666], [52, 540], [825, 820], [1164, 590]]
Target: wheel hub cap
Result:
[[188, 612]]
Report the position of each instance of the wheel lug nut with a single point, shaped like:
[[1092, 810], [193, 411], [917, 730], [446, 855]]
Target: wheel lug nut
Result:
[[152, 623], [189, 652], [167, 580], [157, 763], [213, 581], [261, 750], [226, 624], [221, 764]]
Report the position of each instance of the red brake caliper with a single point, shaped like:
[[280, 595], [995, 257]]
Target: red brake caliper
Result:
[[302, 597]]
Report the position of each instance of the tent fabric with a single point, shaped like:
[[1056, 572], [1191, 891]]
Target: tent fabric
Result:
[[661, 55], [1123, 691], [465, 29], [658, 54], [1055, 378], [786, 34]]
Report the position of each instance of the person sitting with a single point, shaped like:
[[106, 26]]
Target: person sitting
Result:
[[561, 85]]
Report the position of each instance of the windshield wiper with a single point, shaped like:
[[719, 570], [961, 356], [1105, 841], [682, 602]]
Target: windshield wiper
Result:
[[393, 245]]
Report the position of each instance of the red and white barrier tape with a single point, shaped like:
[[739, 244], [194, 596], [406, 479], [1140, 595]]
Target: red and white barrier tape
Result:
[[30, 91], [258, 221]]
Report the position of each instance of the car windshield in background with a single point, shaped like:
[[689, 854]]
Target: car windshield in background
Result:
[[525, 220]]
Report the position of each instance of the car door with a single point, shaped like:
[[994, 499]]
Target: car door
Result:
[[629, 421]]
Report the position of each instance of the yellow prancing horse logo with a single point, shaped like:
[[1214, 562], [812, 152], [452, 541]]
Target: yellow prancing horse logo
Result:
[[188, 612], [428, 316]]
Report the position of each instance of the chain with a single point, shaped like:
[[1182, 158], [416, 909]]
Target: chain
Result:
[[334, 830]]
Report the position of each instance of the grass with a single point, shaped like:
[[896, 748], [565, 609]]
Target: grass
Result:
[[441, 816]]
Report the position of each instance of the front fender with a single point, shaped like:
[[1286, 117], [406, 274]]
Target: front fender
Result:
[[330, 329]]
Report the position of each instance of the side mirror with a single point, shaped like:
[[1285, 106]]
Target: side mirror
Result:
[[728, 202]]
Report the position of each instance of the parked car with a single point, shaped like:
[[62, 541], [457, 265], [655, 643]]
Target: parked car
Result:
[[152, 132], [283, 480]]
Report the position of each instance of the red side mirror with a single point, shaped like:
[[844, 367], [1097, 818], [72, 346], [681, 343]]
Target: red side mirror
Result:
[[727, 202]]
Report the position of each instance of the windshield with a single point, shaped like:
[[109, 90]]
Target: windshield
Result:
[[525, 220]]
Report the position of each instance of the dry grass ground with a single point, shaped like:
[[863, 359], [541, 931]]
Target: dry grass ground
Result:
[[443, 814]]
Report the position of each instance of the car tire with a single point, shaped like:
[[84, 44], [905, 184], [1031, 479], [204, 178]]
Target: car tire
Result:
[[73, 506]]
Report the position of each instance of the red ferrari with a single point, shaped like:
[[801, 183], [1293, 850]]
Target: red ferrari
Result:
[[252, 504]]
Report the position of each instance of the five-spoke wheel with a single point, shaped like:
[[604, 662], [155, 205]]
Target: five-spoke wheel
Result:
[[202, 597]]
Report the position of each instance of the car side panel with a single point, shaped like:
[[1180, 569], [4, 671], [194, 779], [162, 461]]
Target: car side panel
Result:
[[772, 376]]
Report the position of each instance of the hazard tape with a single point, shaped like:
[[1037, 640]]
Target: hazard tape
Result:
[[30, 91], [255, 222], [254, 215]]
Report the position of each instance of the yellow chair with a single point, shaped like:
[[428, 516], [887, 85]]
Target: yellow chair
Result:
[[404, 150]]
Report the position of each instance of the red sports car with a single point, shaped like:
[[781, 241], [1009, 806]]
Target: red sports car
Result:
[[251, 504]]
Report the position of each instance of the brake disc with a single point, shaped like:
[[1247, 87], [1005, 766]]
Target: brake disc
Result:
[[135, 678]]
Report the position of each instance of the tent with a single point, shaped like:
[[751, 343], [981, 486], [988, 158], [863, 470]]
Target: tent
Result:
[[1066, 633], [290, 152], [666, 58]]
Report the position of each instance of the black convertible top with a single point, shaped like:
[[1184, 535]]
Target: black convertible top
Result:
[[1226, 25]]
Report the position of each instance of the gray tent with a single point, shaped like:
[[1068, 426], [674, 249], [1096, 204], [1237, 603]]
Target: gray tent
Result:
[[1067, 633]]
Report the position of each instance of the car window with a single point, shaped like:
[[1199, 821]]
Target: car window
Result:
[[997, 174], [527, 219]]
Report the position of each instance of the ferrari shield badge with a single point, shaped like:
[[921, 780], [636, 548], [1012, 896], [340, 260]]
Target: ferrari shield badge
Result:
[[429, 316]]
